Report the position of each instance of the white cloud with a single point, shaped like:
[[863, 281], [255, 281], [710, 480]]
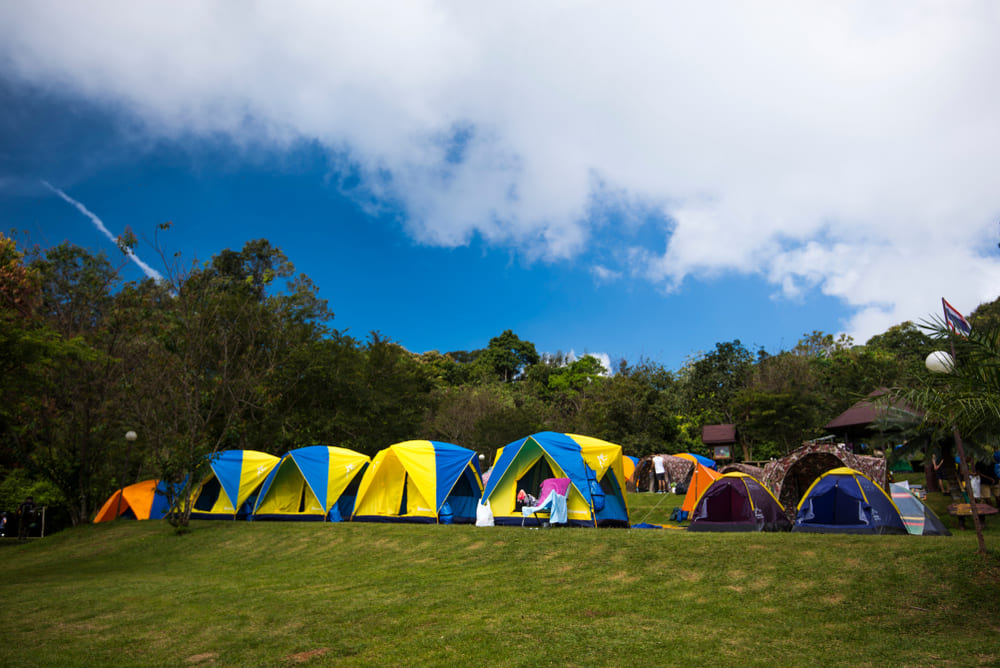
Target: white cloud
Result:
[[603, 274], [603, 358], [843, 147]]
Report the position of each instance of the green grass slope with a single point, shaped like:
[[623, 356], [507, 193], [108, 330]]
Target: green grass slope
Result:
[[264, 594]]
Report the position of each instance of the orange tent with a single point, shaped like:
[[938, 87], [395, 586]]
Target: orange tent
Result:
[[701, 479], [140, 498], [629, 464]]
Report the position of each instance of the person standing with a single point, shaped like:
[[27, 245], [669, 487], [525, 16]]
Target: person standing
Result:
[[939, 473], [25, 517], [974, 481], [660, 470]]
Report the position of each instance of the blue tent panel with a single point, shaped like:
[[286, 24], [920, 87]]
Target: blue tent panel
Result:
[[160, 507], [452, 462], [705, 461], [845, 501], [228, 468], [314, 463]]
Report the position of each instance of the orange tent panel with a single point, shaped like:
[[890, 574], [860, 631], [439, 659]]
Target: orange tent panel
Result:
[[138, 497], [701, 479]]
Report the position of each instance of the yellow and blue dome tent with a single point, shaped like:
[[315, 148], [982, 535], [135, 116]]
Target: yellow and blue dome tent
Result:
[[235, 475], [596, 494], [420, 481], [317, 482]]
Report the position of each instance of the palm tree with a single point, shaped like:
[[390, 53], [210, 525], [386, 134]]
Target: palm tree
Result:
[[966, 399]]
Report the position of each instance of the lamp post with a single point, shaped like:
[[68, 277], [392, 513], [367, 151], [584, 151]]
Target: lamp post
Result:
[[941, 362], [130, 437]]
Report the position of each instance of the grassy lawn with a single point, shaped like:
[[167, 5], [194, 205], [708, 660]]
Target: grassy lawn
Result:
[[133, 593]]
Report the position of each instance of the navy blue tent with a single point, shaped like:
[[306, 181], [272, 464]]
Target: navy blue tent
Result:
[[738, 502], [843, 500]]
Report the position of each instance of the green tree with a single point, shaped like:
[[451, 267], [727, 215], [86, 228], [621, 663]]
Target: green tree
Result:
[[781, 404], [67, 429], [641, 408], [986, 315], [211, 356], [713, 380], [964, 402], [507, 356], [908, 345], [459, 409]]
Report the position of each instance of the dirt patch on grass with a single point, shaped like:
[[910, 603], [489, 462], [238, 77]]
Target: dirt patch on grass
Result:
[[384, 543], [206, 657], [622, 576], [93, 626], [303, 657], [833, 599], [478, 545], [736, 574]]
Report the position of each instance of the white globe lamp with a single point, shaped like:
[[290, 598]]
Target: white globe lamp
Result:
[[940, 362]]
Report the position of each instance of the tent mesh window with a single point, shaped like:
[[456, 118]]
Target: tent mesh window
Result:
[[403, 500], [345, 504], [208, 495], [463, 497], [304, 495], [729, 506]]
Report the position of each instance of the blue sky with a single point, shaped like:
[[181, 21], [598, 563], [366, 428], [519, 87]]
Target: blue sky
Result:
[[633, 184]]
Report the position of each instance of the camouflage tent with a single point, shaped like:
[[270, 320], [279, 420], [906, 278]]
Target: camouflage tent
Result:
[[790, 476], [679, 471], [739, 467]]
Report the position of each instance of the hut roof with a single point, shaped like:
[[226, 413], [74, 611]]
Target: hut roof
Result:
[[867, 411], [718, 434]]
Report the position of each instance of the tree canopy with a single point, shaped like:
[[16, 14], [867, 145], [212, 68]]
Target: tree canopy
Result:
[[241, 352]]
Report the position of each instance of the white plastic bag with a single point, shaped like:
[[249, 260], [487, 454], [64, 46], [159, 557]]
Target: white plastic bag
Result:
[[484, 514]]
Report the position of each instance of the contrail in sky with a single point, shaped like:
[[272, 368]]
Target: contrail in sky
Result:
[[146, 269]]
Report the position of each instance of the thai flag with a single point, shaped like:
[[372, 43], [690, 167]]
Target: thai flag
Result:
[[955, 320]]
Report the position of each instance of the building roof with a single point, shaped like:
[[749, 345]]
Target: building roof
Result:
[[718, 434], [866, 411]]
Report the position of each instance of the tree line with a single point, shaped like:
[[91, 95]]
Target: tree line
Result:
[[240, 352]]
